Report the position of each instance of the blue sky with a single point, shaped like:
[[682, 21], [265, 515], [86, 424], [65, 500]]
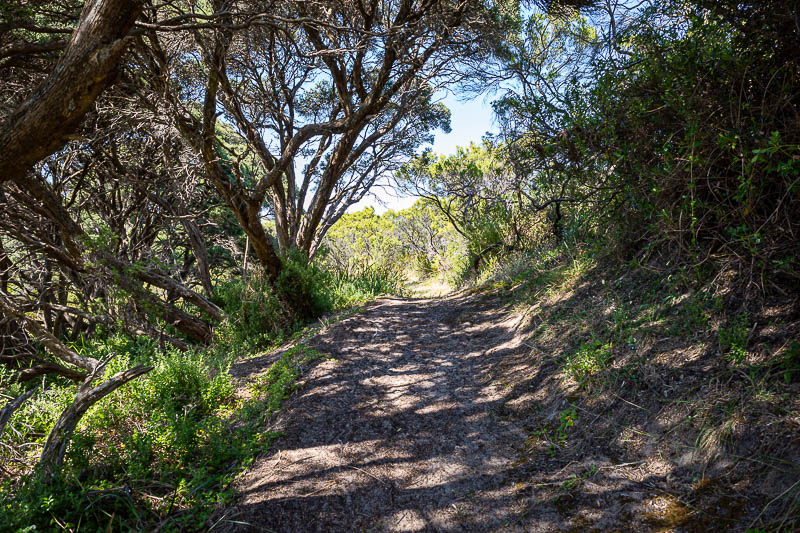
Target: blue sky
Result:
[[469, 121]]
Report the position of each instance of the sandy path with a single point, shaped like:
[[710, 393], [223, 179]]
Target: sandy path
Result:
[[400, 433], [449, 415]]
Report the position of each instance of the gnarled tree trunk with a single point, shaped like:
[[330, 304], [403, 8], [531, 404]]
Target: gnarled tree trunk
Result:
[[57, 440], [43, 123]]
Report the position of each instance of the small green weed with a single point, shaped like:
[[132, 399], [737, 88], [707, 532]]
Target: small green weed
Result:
[[621, 318], [575, 480], [693, 313], [590, 359], [566, 420], [733, 339], [555, 434], [630, 372], [790, 363]]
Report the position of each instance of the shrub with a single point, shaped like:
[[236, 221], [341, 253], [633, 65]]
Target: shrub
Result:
[[347, 291], [305, 287], [255, 316], [733, 339], [163, 442]]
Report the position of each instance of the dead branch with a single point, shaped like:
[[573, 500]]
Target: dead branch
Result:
[[56, 445]]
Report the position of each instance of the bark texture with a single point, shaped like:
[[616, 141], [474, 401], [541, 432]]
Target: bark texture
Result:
[[43, 123]]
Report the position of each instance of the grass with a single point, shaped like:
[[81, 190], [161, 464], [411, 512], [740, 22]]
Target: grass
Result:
[[789, 363], [662, 367], [588, 362], [733, 339], [278, 382], [350, 291]]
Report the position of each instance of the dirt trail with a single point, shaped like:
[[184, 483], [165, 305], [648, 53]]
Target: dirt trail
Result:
[[430, 419], [400, 433]]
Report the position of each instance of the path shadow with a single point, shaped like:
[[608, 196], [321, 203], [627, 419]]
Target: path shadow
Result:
[[430, 417]]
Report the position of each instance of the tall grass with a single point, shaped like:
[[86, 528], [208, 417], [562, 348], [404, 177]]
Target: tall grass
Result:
[[347, 291]]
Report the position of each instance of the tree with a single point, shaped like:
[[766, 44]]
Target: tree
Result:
[[481, 193], [326, 97], [428, 238], [363, 243]]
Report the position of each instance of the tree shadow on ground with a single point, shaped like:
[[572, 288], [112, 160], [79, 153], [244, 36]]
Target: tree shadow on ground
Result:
[[440, 415]]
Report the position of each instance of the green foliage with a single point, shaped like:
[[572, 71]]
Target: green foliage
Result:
[[566, 419], [677, 142], [346, 292], [733, 338], [32, 422], [304, 286], [790, 363], [277, 383], [430, 243], [691, 313], [162, 448], [165, 447], [590, 360], [491, 209], [708, 186], [363, 242], [555, 434], [255, 316], [260, 314], [370, 255]]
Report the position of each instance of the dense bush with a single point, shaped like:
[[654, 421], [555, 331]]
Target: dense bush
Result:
[[363, 242], [672, 137], [706, 148], [432, 246], [254, 313], [165, 434], [373, 254], [305, 287], [680, 139]]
